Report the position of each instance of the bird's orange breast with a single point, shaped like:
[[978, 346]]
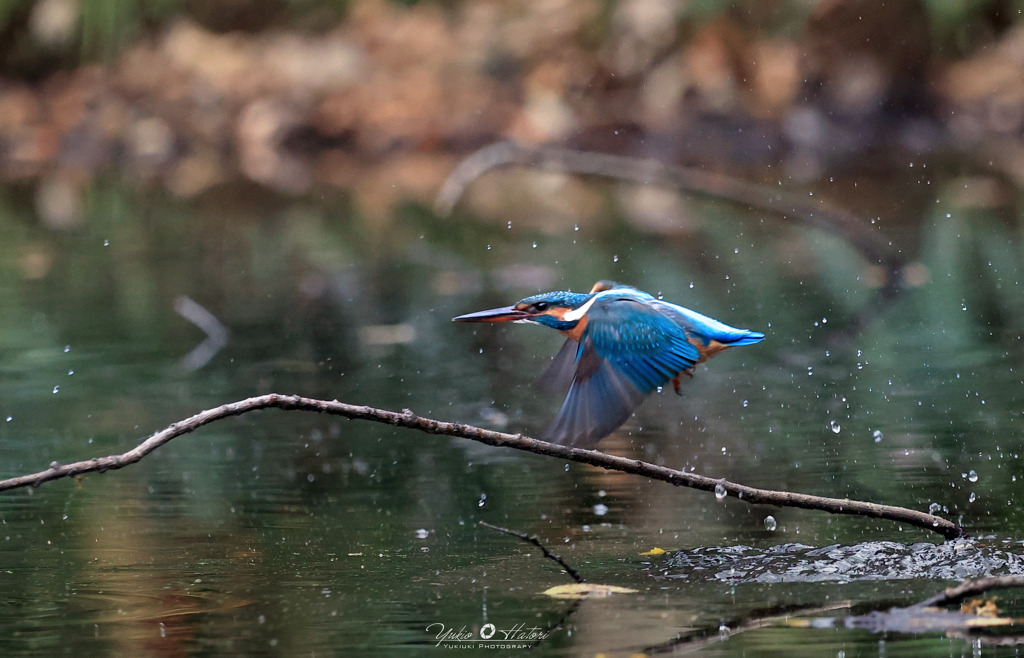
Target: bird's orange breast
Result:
[[576, 333]]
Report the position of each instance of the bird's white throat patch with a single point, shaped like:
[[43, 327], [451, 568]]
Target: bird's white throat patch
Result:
[[576, 314]]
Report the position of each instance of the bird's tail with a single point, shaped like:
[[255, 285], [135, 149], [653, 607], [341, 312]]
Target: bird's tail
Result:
[[743, 338]]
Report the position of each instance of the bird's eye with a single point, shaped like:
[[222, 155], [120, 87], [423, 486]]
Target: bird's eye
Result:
[[540, 306]]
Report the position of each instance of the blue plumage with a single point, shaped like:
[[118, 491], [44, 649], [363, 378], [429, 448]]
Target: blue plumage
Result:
[[623, 344]]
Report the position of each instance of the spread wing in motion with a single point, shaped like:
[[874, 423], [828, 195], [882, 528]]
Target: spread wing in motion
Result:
[[626, 351]]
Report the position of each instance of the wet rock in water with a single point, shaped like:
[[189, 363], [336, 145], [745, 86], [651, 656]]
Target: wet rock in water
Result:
[[877, 560]]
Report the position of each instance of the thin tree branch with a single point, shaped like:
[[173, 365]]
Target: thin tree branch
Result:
[[410, 420], [532, 539]]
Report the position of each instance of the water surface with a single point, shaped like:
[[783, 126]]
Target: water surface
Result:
[[284, 533]]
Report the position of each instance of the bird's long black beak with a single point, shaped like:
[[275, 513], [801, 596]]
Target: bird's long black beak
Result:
[[503, 314]]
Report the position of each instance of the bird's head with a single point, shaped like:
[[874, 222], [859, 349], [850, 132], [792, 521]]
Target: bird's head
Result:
[[559, 310]]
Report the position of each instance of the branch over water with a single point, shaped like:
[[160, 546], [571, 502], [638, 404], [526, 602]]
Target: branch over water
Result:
[[408, 419]]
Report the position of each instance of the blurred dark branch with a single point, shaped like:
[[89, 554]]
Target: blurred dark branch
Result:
[[809, 210], [408, 419]]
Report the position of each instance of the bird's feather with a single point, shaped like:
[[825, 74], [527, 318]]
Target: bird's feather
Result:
[[646, 346], [705, 329], [557, 377], [627, 351], [600, 399]]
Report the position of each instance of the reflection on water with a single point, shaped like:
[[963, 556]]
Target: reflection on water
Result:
[[286, 533]]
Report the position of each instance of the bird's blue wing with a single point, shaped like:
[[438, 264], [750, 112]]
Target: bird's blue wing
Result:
[[626, 351], [557, 377], [641, 342], [600, 399]]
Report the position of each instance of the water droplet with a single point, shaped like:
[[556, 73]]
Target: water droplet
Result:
[[10, 418], [423, 533], [106, 243], [488, 247], [810, 371], [770, 523], [972, 476], [534, 244], [67, 348], [834, 426], [482, 501], [973, 497], [615, 258], [723, 631], [510, 224], [600, 509], [691, 285], [720, 491], [877, 435], [56, 389], [71, 372], [934, 508], [576, 227], [746, 403], [566, 468]]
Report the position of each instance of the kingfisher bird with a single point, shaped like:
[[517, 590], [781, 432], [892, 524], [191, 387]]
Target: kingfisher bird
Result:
[[621, 345]]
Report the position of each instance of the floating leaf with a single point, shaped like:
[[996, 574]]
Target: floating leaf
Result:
[[655, 551], [586, 590], [980, 607]]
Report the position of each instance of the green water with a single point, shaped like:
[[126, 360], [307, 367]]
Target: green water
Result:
[[285, 533]]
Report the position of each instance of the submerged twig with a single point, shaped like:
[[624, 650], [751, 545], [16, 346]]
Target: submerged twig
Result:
[[410, 420], [973, 587], [531, 539]]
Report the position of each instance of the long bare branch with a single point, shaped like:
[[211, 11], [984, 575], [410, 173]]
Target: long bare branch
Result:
[[408, 419]]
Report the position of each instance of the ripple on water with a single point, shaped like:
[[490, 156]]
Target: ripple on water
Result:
[[876, 560]]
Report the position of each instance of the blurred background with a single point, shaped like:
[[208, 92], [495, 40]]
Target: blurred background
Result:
[[200, 202]]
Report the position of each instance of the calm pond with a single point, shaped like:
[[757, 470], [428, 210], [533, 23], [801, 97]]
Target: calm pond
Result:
[[285, 533]]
